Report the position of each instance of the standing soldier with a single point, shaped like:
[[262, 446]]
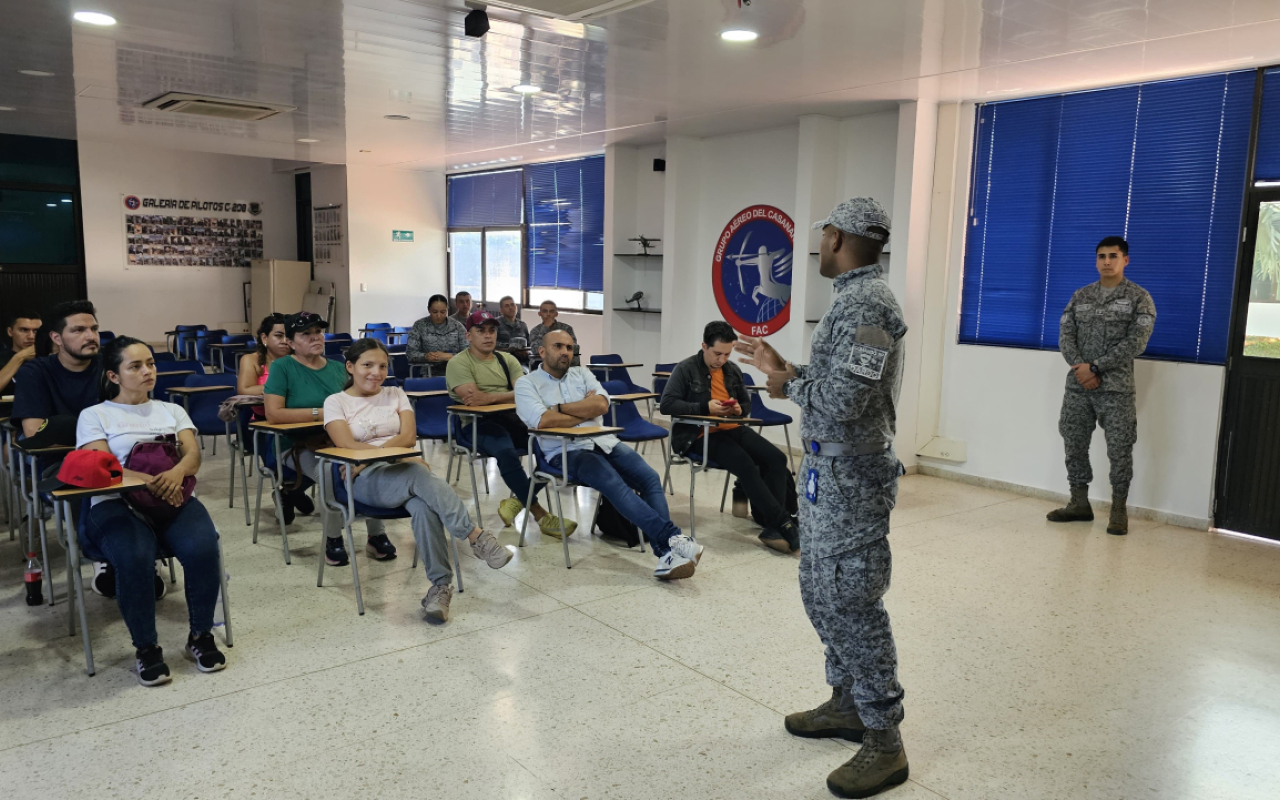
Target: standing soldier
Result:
[[1104, 328], [849, 397]]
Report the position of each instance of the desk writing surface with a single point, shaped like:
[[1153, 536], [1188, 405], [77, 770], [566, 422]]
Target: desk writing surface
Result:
[[719, 420], [493, 409], [125, 485], [369, 456], [577, 433], [286, 426], [176, 372], [662, 374], [628, 398], [428, 393], [199, 389], [615, 366]]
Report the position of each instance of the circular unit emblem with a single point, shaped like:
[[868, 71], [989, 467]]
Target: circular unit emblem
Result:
[[132, 203], [751, 270]]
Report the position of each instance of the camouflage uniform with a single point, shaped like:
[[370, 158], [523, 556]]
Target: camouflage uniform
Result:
[[849, 395], [1108, 329]]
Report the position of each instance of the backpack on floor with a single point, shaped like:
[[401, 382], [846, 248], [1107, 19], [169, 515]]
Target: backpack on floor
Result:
[[612, 525]]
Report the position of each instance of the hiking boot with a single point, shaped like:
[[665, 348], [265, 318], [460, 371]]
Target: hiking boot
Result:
[[508, 509], [741, 508], [1119, 523], [490, 551], [881, 762], [203, 650], [829, 720], [773, 539], [152, 671], [550, 525], [1077, 510], [435, 606], [380, 548]]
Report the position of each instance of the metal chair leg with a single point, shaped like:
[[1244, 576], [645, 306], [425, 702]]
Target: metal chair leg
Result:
[[457, 564], [73, 554], [71, 592], [725, 494], [244, 488], [46, 578], [257, 510], [475, 492], [564, 536], [226, 598], [528, 501], [173, 575], [693, 479], [791, 456]]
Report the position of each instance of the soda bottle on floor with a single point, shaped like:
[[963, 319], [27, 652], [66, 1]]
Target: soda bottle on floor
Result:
[[34, 578]]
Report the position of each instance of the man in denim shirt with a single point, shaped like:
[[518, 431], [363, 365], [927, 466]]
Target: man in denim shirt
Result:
[[559, 396]]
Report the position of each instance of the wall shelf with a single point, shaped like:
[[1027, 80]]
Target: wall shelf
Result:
[[637, 255], [640, 310]]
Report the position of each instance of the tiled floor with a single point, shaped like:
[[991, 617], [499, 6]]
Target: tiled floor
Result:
[[1040, 662]]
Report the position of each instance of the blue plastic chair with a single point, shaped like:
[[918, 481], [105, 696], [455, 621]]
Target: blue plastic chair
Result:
[[184, 339], [204, 353], [264, 446], [377, 330], [698, 460], [104, 337], [337, 337], [429, 413], [203, 407], [770, 418], [660, 384], [220, 353], [166, 379], [636, 429], [336, 347], [556, 479], [400, 335], [400, 367]]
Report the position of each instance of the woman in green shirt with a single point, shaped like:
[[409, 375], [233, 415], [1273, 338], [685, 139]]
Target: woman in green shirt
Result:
[[295, 392]]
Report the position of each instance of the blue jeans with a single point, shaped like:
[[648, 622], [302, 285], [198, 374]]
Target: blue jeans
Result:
[[619, 476], [496, 441], [113, 533]]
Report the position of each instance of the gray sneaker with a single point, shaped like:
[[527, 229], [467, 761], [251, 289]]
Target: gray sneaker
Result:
[[880, 763], [435, 605], [827, 721], [490, 551]]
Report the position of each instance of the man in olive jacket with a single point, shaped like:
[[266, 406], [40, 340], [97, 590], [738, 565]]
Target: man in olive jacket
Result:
[[709, 384]]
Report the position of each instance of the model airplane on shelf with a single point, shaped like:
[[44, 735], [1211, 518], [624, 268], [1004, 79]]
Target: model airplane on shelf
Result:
[[645, 243]]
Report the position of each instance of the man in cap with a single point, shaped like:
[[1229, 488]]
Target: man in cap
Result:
[[482, 375], [1103, 329], [848, 396]]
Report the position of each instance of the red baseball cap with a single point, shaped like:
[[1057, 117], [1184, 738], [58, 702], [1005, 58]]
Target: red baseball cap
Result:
[[86, 469], [480, 317]]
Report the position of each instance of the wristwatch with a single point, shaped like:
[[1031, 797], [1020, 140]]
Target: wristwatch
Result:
[[1094, 369], [315, 414]]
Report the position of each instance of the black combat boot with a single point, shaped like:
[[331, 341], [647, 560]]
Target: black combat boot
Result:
[[1077, 510]]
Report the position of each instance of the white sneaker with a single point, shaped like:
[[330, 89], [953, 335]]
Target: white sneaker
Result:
[[674, 566], [686, 547]]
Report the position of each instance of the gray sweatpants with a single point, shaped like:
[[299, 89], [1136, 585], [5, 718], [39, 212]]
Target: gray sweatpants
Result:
[[332, 523], [431, 502]]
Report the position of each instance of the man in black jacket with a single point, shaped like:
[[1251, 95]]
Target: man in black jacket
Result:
[[709, 384]]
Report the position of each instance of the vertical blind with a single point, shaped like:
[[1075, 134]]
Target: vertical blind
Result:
[[564, 211], [484, 200], [1266, 165], [1161, 164]]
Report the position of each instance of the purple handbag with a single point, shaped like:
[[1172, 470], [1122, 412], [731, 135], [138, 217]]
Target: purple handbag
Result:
[[153, 458]]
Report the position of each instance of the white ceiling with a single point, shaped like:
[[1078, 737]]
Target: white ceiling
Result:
[[637, 76]]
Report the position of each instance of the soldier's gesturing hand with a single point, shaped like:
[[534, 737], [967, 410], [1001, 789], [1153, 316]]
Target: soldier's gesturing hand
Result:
[[759, 354]]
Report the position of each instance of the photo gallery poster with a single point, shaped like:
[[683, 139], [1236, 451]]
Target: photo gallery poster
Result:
[[191, 233]]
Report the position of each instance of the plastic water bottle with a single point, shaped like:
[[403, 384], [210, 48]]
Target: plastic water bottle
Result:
[[34, 578]]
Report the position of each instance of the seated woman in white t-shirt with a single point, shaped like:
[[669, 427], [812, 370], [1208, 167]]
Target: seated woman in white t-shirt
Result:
[[114, 533], [366, 416]]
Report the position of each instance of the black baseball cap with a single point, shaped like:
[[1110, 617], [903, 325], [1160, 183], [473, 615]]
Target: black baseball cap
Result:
[[297, 323]]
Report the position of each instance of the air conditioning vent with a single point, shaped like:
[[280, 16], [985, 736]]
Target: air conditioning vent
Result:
[[219, 107], [573, 10]]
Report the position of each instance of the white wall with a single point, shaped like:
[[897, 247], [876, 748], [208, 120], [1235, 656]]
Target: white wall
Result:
[[146, 301], [329, 189], [633, 207], [1004, 404], [399, 276]]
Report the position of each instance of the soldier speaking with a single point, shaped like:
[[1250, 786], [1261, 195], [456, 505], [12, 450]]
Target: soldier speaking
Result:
[[848, 397], [1104, 328]]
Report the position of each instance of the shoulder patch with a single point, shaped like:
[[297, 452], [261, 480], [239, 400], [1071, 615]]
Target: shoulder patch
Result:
[[867, 360]]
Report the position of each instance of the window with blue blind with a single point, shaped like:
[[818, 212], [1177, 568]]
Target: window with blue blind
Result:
[[564, 212], [1266, 165], [486, 200], [1161, 164]]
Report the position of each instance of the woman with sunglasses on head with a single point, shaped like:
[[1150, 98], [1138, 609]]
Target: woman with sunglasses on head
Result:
[[255, 369], [365, 415], [115, 533], [296, 392]]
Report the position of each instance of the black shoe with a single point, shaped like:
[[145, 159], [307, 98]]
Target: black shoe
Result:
[[104, 580], [203, 650], [791, 532], [152, 671], [773, 539], [335, 552], [286, 507], [162, 588], [302, 502], [380, 548]]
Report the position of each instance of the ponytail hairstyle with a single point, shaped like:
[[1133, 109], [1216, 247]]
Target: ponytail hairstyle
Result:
[[112, 354], [359, 348], [438, 298], [268, 322]]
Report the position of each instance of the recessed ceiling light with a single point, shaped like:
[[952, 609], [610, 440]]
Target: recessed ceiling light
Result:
[[36, 73], [7, 108], [66, 199], [525, 88], [94, 18], [396, 117], [51, 205], [308, 141], [739, 36]]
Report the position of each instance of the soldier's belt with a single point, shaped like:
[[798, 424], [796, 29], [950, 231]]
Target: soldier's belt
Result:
[[837, 449]]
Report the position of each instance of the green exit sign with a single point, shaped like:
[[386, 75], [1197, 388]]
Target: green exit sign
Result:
[[402, 236]]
